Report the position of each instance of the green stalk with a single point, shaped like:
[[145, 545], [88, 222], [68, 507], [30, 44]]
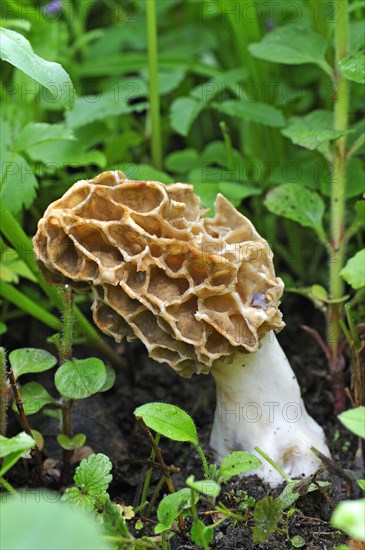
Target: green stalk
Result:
[[147, 479], [3, 396], [336, 285], [156, 144]]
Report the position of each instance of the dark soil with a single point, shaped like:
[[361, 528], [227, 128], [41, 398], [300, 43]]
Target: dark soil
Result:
[[110, 426]]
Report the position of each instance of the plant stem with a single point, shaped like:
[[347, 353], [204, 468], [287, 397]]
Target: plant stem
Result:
[[3, 392], [156, 144], [7, 486], [336, 285], [147, 478], [204, 461], [273, 464]]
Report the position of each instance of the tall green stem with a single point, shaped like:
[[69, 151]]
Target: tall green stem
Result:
[[3, 396], [338, 191], [156, 144]]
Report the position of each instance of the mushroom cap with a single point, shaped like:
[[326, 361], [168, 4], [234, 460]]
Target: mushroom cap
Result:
[[193, 289]]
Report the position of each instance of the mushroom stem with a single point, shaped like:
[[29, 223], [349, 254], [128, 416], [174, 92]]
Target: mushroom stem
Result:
[[259, 405]]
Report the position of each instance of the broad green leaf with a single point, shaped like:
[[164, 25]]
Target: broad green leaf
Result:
[[268, 512], [19, 443], [16, 49], [12, 267], [201, 533], [297, 541], [352, 67], [109, 380], [91, 108], [354, 271], [181, 162], [349, 517], [144, 172], [41, 132], [18, 182], [354, 420], [75, 498], [361, 484], [47, 524], [234, 192], [80, 378], [309, 131], [171, 506], [297, 203], [34, 397], [93, 474], [65, 153], [258, 112], [235, 463], [292, 45], [169, 421], [26, 360], [70, 443], [288, 496], [183, 112], [207, 487], [216, 153]]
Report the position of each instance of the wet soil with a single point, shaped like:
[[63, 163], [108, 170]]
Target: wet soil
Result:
[[108, 421]]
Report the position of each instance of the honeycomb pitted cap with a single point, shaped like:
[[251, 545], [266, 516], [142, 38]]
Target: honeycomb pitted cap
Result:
[[193, 289]]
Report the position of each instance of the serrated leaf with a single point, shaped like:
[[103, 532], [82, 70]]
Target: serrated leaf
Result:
[[16, 49], [93, 474], [258, 112], [297, 203], [30, 360], [34, 397], [354, 271], [74, 497], [292, 44], [349, 517], [19, 443], [268, 512], [18, 182], [80, 378], [352, 67], [183, 112], [70, 443], [169, 420], [288, 496], [41, 132], [207, 487], [172, 505], [235, 463], [354, 420], [113, 521]]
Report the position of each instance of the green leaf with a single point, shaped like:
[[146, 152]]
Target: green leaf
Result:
[[171, 506], [40, 132], [201, 534], [292, 45], [12, 267], [70, 443], [297, 541], [349, 517], [234, 192], [183, 112], [93, 474], [207, 487], [288, 496], [354, 420], [361, 484], [80, 378], [235, 463], [297, 203], [113, 521], [74, 497], [268, 512], [34, 397], [19, 443], [65, 152], [181, 162], [59, 527], [169, 420], [144, 172], [352, 67], [109, 380], [26, 360], [19, 184], [15, 49], [354, 271], [261, 113]]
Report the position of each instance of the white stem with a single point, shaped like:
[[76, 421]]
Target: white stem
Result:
[[259, 405]]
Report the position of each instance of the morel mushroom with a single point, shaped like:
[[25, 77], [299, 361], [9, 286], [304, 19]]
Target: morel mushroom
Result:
[[200, 293]]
